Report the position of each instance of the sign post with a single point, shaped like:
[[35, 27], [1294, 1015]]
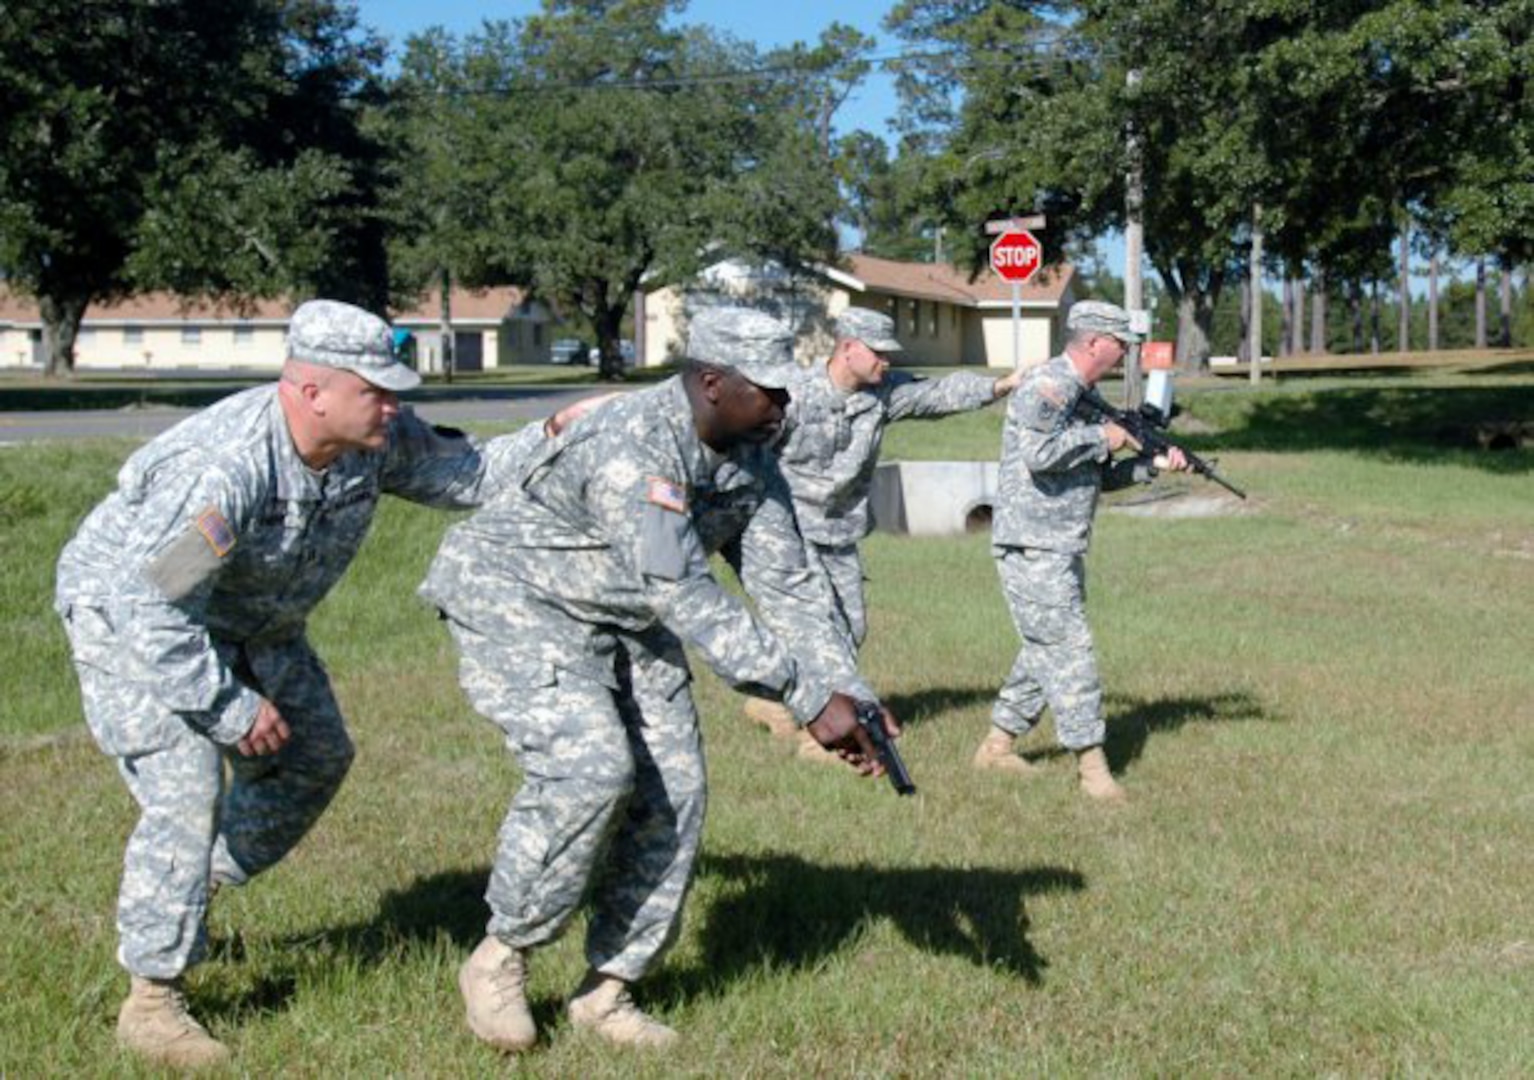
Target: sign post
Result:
[[1016, 257]]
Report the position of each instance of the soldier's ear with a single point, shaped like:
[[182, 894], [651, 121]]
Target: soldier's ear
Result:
[[711, 381]]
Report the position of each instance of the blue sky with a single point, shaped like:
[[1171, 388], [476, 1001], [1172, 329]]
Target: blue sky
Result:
[[780, 22]]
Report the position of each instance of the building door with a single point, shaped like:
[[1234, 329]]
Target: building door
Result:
[[469, 351]]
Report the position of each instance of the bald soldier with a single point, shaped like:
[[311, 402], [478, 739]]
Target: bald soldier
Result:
[[1054, 464], [833, 429], [570, 597], [185, 595]]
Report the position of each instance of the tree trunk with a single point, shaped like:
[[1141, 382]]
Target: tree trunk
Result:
[[1243, 342], [1195, 317], [1318, 315], [445, 324], [1253, 297], [1505, 332], [1480, 302], [607, 322], [1285, 315], [1374, 317], [1297, 320], [1356, 314], [61, 317], [1432, 303], [1403, 333]]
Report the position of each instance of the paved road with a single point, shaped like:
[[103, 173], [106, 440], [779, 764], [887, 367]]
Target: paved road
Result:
[[144, 422]]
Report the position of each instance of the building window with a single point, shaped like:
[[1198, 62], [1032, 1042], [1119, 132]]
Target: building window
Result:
[[932, 319], [133, 335], [537, 333], [191, 335], [244, 335], [916, 318]]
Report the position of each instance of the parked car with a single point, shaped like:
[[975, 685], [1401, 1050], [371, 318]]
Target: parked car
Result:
[[625, 350], [567, 351]]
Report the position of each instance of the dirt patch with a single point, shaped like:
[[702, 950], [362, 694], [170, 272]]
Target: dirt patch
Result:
[[1180, 504]]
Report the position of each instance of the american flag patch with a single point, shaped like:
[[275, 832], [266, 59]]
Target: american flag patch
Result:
[[216, 531], [668, 494]]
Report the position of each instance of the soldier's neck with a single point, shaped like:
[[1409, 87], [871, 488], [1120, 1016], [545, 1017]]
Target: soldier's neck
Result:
[[315, 451]]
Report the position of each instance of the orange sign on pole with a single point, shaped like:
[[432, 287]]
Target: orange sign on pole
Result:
[[1157, 356]]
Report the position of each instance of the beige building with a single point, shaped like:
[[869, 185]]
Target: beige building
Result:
[[941, 317], [160, 332]]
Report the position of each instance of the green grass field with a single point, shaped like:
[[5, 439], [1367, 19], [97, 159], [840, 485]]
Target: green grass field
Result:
[[1321, 707]]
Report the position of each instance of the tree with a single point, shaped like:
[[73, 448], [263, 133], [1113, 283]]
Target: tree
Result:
[[1042, 119], [609, 149], [203, 147]]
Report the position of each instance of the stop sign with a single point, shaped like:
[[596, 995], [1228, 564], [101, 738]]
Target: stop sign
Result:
[[1016, 256]]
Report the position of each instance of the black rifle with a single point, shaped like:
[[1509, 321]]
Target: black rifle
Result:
[[1145, 426], [871, 720]]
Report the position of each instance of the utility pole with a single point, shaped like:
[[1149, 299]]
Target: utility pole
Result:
[[1134, 246], [445, 321]]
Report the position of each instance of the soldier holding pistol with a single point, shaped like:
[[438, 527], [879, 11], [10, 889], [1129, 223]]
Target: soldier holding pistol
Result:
[[570, 596]]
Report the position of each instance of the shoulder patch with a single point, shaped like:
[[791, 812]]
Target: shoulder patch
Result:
[[667, 494], [1050, 393], [216, 531]]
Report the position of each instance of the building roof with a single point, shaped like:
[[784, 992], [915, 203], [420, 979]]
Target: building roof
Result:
[[469, 305], [946, 282], [147, 308]]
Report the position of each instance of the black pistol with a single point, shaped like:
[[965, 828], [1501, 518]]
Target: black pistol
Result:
[[871, 720]]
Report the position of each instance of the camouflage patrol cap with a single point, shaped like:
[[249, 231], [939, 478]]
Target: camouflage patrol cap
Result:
[[752, 342], [333, 334], [872, 328], [1097, 317]]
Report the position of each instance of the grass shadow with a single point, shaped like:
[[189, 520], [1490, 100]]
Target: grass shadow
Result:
[[1133, 720], [774, 911], [915, 709], [1409, 424], [780, 911], [449, 903]]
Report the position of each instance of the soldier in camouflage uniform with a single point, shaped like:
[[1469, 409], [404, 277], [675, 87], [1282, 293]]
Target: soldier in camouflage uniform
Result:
[[185, 594], [832, 433], [1053, 465], [570, 597]]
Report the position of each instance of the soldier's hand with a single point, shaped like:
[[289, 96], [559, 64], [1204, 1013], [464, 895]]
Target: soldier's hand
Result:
[[837, 728], [1118, 438], [1006, 384], [267, 735], [1172, 461]]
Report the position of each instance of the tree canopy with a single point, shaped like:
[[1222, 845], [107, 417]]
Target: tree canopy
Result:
[[210, 148], [593, 147], [1337, 120]]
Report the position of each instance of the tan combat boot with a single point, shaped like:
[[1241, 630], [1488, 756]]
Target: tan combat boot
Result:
[[1096, 781], [602, 1004], [492, 981], [772, 716], [155, 1025], [995, 752]]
